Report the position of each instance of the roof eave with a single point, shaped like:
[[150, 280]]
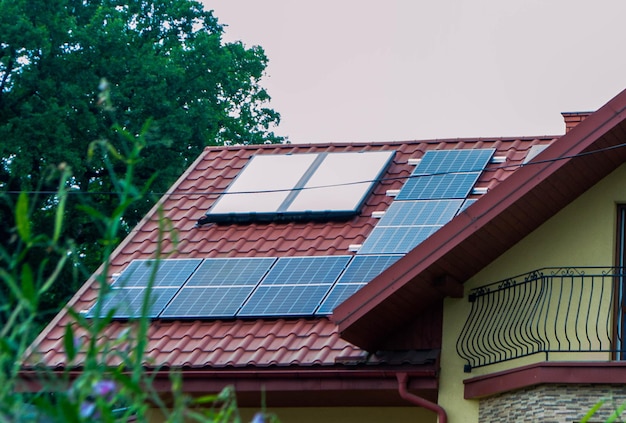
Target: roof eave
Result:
[[486, 229]]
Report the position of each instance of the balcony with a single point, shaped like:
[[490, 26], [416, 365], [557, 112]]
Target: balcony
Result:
[[546, 311]]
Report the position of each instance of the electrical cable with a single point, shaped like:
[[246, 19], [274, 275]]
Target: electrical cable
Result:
[[220, 193]]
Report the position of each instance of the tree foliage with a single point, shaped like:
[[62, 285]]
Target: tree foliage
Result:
[[69, 69]]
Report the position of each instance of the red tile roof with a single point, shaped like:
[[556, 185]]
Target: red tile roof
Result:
[[220, 344], [517, 206], [257, 343]]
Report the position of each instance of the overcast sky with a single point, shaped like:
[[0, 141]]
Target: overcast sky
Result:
[[365, 70]]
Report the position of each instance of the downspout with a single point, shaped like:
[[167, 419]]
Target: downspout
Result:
[[403, 382]]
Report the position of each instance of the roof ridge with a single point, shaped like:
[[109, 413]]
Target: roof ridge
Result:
[[378, 143]]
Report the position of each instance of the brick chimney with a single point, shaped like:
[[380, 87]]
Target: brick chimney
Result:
[[573, 118]]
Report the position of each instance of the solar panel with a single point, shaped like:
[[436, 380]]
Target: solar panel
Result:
[[466, 204], [420, 213], [285, 300], [534, 152], [359, 272], [218, 288], [128, 302], [264, 184], [294, 286], [363, 269], [209, 302], [128, 291], [445, 174], [300, 187], [395, 239], [341, 181], [338, 295], [306, 270], [170, 272], [407, 223], [230, 271], [442, 161], [451, 185]]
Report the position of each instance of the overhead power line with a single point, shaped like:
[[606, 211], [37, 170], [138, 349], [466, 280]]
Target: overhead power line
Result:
[[396, 178]]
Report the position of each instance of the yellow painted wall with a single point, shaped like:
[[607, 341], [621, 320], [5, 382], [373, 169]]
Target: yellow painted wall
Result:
[[582, 234], [338, 415]]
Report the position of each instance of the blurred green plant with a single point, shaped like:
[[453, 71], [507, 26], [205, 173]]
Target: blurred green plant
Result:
[[614, 417], [88, 389]]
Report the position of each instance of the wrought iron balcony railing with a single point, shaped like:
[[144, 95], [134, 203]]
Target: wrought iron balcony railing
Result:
[[550, 310]]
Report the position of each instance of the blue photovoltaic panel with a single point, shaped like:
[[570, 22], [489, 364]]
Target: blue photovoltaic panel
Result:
[[337, 295], [443, 161], [170, 272], [445, 174], [306, 270], [452, 185], [395, 239], [363, 269], [230, 271], [128, 302], [466, 204], [284, 300], [218, 288], [128, 291], [359, 272], [294, 286], [420, 213], [209, 302]]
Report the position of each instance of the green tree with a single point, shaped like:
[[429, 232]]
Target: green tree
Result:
[[70, 68]]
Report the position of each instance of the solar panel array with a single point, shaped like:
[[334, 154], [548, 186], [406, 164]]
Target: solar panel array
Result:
[[301, 286], [436, 192], [240, 287]]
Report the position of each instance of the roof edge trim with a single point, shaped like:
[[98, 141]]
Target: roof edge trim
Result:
[[365, 302]]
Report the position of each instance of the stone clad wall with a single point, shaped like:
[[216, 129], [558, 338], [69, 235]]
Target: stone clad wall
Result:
[[552, 404]]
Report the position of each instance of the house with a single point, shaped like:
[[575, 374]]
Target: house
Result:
[[465, 235]]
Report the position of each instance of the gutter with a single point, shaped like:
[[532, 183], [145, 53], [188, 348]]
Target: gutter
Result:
[[264, 373], [403, 381], [314, 379]]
